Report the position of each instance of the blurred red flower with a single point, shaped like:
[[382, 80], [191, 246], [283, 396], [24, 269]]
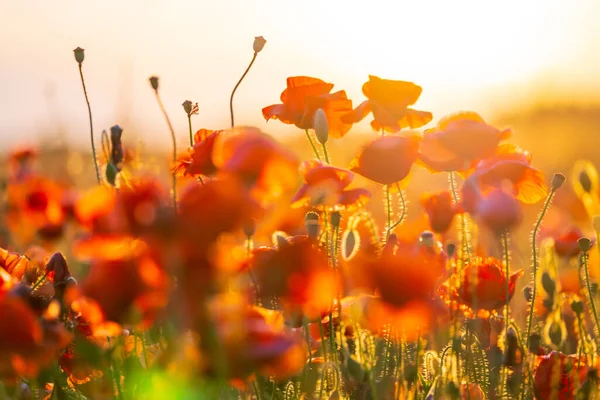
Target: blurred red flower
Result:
[[440, 210], [559, 376], [198, 160]]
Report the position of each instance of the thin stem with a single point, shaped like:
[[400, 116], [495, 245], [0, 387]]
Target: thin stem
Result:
[[535, 263], [173, 139], [584, 262], [190, 129], [312, 144], [326, 153], [402, 216], [507, 276], [237, 85], [248, 257], [39, 282], [91, 125]]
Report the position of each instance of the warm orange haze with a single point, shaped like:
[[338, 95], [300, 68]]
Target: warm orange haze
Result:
[[283, 200]]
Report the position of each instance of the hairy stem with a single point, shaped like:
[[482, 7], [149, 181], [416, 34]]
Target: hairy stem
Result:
[[237, 85], [174, 141], [87, 100]]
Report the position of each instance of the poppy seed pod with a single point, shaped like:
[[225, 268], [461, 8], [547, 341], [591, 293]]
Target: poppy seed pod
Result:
[[79, 54], [311, 222], [577, 306], [154, 82], [336, 218], [548, 283], [585, 181], [187, 107], [584, 244], [557, 180], [259, 43], [321, 126], [451, 249]]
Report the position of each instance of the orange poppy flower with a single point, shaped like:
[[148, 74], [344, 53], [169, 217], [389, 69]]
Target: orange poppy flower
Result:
[[303, 97], [481, 288], [132, 290], [459, 141], [254, 158], [253, 340], [13, 263], [298, 274], [440, 210], [325, 187], [198, 160], [387, 159], [388, 100], [566, 244], [559, 376], [511, 165]]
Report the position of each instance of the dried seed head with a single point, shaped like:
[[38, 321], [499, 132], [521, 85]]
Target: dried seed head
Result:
[[259, 43], [548, 283], [311, 223], [584, 244], [586, 181], [557, 180], [577, 306], [154, 82], [79, 54], [321, 126], [336, 218], [187, 107], [451, 249]]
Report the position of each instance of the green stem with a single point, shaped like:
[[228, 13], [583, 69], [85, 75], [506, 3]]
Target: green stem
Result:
[[402, 216], [174, 141], [39, 282], [507, 276], [584, 261], [312, 144], [91, 124], [237, 85], [535, 264], [190, 129], [326, 153], [464, 240]]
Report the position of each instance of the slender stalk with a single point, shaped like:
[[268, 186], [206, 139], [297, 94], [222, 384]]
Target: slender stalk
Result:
[[190, 129], [326, 153], [312, 144], [173, 139], [87, 100], [464, 245], [535, 263], [584, 264], [402, 216], [237, 85], [507, 276]]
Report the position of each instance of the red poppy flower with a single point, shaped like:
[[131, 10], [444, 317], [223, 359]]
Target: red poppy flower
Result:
[[303, 97], [254, 158], [297, 273], [559, 376], [459, 141], [325, 187], [566, 244], [388, 100], [440, 210], [480, 288], [511, 165], [387, 159], [198, 160]]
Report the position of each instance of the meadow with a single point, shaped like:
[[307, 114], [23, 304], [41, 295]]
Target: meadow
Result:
[[433, 257]]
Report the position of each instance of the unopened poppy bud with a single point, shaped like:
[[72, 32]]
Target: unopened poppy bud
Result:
[[535, 341], [259, 43], [584, 244], [187, 107], [249, 228], [427, 239], [154, 82], [79, 54], [557, 180], [548, 283], [336, 218], [451, 249], [321, 126], [585, 181], [311, 223], [555, 332], [116, 130], [528, 293], [577, 306]]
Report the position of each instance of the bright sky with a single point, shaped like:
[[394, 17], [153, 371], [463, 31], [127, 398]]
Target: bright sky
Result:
[[480, 55]]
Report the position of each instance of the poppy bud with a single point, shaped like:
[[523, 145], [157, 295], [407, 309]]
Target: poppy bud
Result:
[[548, 283], [528, 293], [336, 218], [577, 306], [535, 341], [259, 43], [584, 244], [79, 54], [557, 180], [427, 239], [350, 244], [555, 332], [321, 126], [585, 181], [187, 107], [249, 228], [311, 223], [451, 249], [154, 82]]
